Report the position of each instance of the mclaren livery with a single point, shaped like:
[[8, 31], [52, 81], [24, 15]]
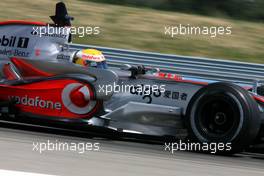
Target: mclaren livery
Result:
[[43, 80]]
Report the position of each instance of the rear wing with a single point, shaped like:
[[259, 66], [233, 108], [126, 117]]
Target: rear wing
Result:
[[36, 40]]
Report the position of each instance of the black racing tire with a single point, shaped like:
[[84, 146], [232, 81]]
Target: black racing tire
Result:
[[223, 113]]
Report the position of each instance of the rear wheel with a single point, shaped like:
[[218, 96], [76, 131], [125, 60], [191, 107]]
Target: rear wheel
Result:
[[223, 113]]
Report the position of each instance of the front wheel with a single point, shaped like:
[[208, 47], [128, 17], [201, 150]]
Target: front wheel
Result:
[[223, 113]]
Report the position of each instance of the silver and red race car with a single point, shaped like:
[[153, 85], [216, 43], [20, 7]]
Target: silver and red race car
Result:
[[39, 84]]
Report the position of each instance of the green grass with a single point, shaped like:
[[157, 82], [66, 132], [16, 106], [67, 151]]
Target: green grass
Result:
[[143, 29]]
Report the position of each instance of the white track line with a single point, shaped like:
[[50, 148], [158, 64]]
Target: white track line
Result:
[[19, 173]]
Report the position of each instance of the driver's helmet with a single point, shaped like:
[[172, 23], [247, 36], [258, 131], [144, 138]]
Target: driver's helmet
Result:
[[90, 58]]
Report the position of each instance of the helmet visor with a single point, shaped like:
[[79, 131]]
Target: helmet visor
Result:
[[101, 65]]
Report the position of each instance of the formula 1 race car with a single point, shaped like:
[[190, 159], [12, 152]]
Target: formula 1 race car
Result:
[[130, 99]]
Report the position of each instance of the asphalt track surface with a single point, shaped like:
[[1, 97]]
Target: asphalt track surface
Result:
[[115, 158]]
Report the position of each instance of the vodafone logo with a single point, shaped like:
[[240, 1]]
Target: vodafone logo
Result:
[[76, 98]]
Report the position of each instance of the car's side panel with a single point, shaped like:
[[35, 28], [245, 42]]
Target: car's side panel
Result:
[[169, 93], [58, 98]]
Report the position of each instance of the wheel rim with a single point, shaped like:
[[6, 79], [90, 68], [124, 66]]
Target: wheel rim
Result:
[[218, 117]]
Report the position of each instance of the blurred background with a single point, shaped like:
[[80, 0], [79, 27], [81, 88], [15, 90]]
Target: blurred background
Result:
[[139, 24]]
